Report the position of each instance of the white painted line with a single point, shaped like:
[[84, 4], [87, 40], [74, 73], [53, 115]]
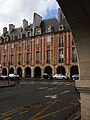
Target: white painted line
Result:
[[65, 92], [42, 88], [52, 88], [51, 96]]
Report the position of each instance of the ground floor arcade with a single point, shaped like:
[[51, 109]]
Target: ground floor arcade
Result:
[[37, 71]]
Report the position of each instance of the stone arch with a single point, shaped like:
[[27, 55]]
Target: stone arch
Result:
[[74, 70], [48, 70], [37, 72], [61, 70], [19, 71], [4, 71], [27, 72], [11, 70]]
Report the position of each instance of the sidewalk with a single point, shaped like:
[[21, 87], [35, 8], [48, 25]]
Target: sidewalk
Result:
[[5, 83]]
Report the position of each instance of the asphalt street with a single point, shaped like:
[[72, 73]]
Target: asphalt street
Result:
[[39, 100]]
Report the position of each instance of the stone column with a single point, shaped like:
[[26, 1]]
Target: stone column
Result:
[[32, 72], [84, 87], [23, 74]]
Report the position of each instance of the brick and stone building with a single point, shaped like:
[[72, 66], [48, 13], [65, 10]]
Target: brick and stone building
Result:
[[45, 46]]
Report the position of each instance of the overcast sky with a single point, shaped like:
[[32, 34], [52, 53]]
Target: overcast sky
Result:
[[14, 11]]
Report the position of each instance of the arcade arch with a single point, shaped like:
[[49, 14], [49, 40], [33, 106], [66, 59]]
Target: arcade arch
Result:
[[61, 70], [74, 70], [19, 71], [11, 70], [4, 71], [37, 72], [27, 72], [48, 70]]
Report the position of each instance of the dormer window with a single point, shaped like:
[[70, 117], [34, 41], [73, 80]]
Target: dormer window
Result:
[[49, 29], [28, 34], [20, 36], [13, 37], [38, 31], [61, 27], [5, 39]]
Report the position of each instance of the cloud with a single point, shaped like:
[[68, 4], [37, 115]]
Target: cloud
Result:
[[14, 11]]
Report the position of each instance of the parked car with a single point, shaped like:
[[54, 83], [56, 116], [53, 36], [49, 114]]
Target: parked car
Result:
[[14, 76], [46, 76], [3, 77], [60, 77], [75, 77]]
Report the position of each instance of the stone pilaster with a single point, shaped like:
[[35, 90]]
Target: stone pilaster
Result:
[[84, 87]]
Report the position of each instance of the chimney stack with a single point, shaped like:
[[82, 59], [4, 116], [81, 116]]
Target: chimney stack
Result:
[[4, 30], [25, 24], [11, 27]]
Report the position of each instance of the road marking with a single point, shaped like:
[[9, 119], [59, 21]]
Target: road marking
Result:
[[38, 106], [6, 114], [51, 96], [65, 92], [52, 113], [43, 110], [24, 112], [42, 88], [9, 118]]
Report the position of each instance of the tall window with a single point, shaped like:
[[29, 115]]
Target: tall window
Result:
[[20, 44], [37, 57], [28, 58], [74, 55], [12, 59], [5, 59], [61, 41], [61, 55], [38, 31], [19, 59], [37, 41], [48, 40], [12, 46], [48, 56], [5, 47], [72, 42], [28, 43]]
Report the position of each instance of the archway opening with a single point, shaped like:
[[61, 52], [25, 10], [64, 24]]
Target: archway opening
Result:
[[61, 70], [27, 72], [37, 72], [48, 70], [4, 71], [11, 70], [74, 70], [19, 71]]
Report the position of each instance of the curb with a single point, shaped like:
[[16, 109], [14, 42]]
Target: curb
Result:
[[8, 86]]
